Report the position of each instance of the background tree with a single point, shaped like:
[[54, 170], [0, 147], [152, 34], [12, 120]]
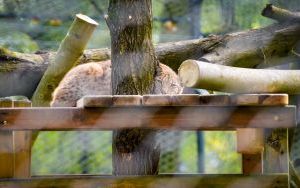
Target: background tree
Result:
[[228, 15]]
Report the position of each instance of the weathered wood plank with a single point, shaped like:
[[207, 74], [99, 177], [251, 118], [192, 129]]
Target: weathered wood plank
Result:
[[95, 101], [250, 142], [157, 100], [22, 147], [252, 164], [6, 154], [6, 145], [214, 100], [127, 100], [170, 117], [260, 99], [174, 181], [276, 154]]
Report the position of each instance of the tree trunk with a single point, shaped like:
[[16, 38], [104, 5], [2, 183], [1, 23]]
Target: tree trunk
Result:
[[194, 16], [228, 15], [134, 67]]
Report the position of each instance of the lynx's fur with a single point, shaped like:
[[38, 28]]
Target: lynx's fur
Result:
[[95, 79]]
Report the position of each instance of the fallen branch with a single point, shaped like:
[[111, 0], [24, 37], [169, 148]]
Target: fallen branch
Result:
[[279, 14], [214, 77]]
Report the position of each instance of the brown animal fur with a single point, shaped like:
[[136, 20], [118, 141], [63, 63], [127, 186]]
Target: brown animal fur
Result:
[[95, 79]]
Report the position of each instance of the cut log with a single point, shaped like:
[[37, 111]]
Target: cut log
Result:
[[69, 52], [214, 77]]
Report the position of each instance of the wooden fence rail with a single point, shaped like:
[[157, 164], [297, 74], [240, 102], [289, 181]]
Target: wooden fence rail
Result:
[[161, 181], [262, 165], [163, 117]]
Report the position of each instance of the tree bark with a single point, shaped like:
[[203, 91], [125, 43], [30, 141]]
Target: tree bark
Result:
[[134, 66], [238, 80]]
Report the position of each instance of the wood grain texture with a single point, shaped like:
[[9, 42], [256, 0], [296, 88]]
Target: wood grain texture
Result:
[[22, 142], [6, 154], [260, 99], [214, 100], [161, 181], [6, 146], [252, 164], [95, 101], [169, 117], [127, 100], [250, 141], [276, 153], [157, 100], [185, 100]]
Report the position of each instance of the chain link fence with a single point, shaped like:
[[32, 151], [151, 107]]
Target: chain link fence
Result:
[[90, 152]]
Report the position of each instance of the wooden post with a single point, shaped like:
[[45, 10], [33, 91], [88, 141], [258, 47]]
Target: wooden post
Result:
[[250, 142], [6, 146], [70, 49], [22, 142], [276, 154]]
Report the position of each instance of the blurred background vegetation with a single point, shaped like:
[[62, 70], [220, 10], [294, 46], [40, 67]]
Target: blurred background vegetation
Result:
[[35, 25]]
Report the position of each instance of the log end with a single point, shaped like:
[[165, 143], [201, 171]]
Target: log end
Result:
[[189, 73], [87, 19], [267, 10]]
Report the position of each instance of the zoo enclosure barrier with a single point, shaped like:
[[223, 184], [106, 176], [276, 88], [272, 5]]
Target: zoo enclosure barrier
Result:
[[257, 118]]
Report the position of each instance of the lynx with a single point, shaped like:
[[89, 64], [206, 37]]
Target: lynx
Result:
[[95, 79]]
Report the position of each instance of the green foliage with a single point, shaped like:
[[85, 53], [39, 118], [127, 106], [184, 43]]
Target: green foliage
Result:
[[211, 17], [248, 14], [54, 153], [18, 41], [188, 152], [220, 153]]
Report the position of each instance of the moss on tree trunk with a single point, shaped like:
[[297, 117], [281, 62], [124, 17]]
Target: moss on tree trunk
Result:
[[134, 67]]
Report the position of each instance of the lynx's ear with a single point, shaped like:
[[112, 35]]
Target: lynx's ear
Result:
[[167, 82]]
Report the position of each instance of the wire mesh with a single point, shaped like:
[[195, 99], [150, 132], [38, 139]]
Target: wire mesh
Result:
[[90, 152]]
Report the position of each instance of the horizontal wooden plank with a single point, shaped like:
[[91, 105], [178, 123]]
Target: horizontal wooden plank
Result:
[[174, 181], [95, 101], [168, 117], [183, 100], [260, 99]]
